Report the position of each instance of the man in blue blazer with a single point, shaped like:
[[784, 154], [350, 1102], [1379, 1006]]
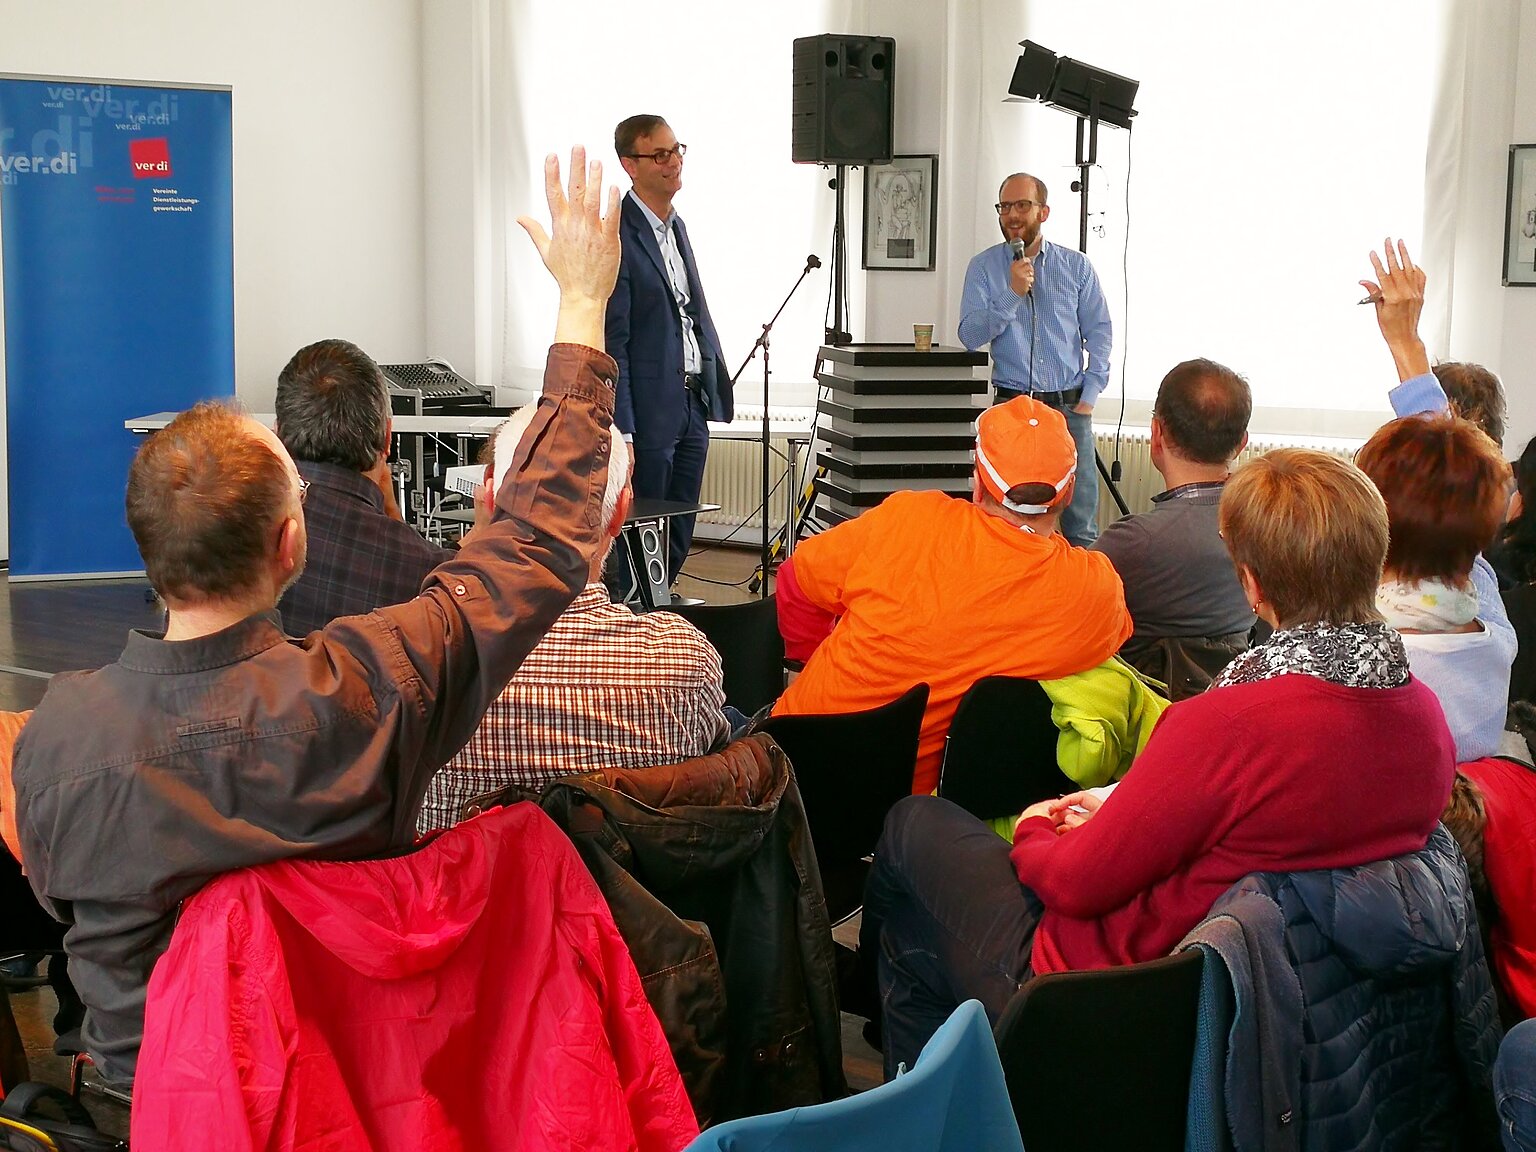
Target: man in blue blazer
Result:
[[672, 375]]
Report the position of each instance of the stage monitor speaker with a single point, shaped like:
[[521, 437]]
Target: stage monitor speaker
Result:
[[650, 559], [843, 100]]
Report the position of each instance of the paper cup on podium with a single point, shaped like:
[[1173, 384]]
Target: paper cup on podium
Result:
[[922, 337]]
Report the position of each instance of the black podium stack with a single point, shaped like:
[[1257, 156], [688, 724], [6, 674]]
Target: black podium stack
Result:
[[895, 419]]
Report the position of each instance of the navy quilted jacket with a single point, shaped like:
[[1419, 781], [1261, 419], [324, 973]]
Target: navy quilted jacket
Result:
[[1399, 1027]]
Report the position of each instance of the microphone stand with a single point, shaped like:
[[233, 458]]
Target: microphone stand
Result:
[[811, 262]]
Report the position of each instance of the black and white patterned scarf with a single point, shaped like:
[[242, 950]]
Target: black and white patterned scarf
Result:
[[1353, 655]]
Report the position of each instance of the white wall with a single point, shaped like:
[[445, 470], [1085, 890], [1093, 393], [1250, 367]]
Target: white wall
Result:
[[893, 301], [1516, 359], [327, 152], [456, 202]]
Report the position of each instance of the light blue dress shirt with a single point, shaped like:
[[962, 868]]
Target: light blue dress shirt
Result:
[[1064, 317]]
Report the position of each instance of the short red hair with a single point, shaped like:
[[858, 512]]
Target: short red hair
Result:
[[1446, 485]]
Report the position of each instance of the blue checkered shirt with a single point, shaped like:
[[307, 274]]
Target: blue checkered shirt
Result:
[[1071, 319]]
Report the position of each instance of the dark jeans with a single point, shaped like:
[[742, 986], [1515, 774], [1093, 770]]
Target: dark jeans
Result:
[[946, 919], [1514, 1087], [675, 471]]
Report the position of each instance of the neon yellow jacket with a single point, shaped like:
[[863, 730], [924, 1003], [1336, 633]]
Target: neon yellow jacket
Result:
[[1105, 716]]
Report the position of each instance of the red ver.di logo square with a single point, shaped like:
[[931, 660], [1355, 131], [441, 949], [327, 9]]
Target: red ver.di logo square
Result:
[[151, 159]]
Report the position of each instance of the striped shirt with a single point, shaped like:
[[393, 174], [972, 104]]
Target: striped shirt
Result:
[[1065, 316], [605, 688]]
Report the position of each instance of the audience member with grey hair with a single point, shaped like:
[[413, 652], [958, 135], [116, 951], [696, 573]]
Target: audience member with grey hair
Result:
[[604, 689], [333, 417]]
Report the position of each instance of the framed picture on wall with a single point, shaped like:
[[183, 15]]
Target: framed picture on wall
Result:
[[1520, 218], [901, 211]]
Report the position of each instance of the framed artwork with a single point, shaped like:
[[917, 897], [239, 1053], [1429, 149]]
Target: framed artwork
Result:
[[901, 212], [1520, 218]]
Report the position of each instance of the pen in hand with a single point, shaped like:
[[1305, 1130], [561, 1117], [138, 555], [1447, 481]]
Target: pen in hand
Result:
[[1371, 300]]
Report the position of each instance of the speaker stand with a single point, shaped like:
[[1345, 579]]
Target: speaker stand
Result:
[[838, 333]]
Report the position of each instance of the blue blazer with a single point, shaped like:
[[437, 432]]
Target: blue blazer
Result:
[[645, 336]]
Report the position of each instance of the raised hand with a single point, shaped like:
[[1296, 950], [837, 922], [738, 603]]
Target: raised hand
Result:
[[581, 249], [1398, 294]]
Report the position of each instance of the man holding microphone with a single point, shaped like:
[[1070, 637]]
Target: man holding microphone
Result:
[[1041, 309]]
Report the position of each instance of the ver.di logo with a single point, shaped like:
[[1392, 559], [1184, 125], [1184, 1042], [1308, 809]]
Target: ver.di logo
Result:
[[150, 159]]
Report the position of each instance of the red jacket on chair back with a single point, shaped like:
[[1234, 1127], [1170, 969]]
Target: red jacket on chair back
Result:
[[471, 995], [1509, 862]]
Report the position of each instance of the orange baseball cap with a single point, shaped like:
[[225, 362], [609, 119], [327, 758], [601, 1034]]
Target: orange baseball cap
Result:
[[1024, 442]]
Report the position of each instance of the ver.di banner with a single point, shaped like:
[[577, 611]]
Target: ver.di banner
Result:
[[116, 226]]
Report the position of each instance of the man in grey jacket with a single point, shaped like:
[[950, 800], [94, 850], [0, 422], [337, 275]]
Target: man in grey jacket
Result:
[[1191, 615], [223, 743]]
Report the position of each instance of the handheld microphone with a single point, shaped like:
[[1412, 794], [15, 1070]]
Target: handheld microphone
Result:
[[1017, 244], [812, 261]]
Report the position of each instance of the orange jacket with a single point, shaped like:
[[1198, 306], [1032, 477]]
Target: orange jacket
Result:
[[929, 589]]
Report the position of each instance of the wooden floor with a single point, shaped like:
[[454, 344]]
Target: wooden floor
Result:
[[719, 573], [51, 627]]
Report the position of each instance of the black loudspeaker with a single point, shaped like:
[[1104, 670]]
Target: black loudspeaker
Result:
[[843, 100], [650, 560]]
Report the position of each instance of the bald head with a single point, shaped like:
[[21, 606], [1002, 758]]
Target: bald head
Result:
[[1022, 185], [1204, 408], [206, 497]]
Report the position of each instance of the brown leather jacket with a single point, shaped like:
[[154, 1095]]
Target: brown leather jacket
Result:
[[708, 868]]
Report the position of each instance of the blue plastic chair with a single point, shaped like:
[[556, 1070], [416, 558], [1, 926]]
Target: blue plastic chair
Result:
[[954, 1100]]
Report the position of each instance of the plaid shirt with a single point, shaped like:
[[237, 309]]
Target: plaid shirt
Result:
[[604, 689], [359, 558]]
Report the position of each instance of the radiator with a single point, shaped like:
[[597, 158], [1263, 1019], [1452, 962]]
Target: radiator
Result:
[[1139, 481], [733, 477]]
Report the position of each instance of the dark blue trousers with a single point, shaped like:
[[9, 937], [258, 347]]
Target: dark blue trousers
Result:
[[947, 920], [675, 471]]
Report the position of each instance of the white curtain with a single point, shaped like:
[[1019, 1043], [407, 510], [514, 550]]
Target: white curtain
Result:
[[1275, 147], [1465, 176], [720, 74]]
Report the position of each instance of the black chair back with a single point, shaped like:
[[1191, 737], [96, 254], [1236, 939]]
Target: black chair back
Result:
[[13, 1053], [1185, 665], [1000, 756], [24, 926], [851, 769], [1125, 1035], [751, 649]]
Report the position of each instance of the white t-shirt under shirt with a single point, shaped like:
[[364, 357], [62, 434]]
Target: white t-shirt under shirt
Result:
[[1469, 672]]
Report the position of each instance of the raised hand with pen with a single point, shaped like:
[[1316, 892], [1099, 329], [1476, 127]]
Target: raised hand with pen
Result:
[[1398, 294]]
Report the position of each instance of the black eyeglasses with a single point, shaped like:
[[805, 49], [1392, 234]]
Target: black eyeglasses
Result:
[[661, 155], [1021, 205]]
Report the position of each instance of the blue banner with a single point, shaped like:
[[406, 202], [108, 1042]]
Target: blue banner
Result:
[[117, 226]]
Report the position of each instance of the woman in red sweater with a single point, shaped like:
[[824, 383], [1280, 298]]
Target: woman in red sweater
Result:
[[1314, 750]]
